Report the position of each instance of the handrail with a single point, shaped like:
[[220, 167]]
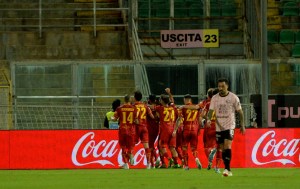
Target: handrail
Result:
[[137, 51]]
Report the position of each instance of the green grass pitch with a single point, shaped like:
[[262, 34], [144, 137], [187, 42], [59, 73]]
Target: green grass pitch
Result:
[[288, 178]]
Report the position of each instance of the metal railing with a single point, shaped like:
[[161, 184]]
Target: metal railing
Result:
[[71, 116], [40, 16], [136, 46]]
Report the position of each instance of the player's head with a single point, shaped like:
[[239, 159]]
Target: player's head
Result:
[[210, 92], [223, 85], [127, 98], [116, 103], [164, 99], [187, 99], [138, 96], [152, 99]]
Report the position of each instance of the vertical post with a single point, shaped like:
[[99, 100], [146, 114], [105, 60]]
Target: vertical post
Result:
[[95, 21], [201, 80], [40, 18], [171, 21], [15, 114], [264, 63], [74, 68], [92, 114], [13, 81], [206, 23], [130, 18]]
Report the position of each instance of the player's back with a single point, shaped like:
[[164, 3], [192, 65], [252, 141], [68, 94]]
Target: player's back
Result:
[[142, 111], [126, 114], [190, 119], [167, 117], [153, 124]]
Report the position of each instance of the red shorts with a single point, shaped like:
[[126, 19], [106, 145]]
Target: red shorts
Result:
[[153, 131], [141, 132], [166, 139], [126, 138], [179, 138], [209, 136], [190, 137]]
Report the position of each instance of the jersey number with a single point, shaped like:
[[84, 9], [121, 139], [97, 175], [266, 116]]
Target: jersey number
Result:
[[128, 118], [169, 116], [191, 115], [143, 113]]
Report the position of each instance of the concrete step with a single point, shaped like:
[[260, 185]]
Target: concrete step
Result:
[[65, 52], [113, 70], [113, 91], [225, 50], [97, 1], [104, 13], [113, 83], [279, 50], [102, 28]]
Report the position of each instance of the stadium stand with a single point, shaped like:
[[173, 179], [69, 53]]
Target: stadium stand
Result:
[[287, 36], [63, 37], [273, 36], [290, 9], [296, 51]]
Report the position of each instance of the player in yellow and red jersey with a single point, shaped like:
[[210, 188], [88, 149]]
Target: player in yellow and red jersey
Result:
[[167, 118], [179, 138], [126, 114], [191, 130], [209, 135], [153, 129], [142, 125]]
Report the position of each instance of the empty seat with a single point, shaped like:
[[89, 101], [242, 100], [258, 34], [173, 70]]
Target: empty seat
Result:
[[290, 9], [143, 11], [296, 51], [273, 36], [181, 13], [180, 10], [196, 12], [287, 36], [229, 9], [215, 8]]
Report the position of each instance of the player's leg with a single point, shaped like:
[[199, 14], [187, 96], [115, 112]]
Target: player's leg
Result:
[[179, 145], [131, 144], [163, 143], [228, 137], [218, 159], [185, 149], [194, 148], [220, 143], [122, 143], [145, 139], [211, 144], [172, 145], [153, 156]]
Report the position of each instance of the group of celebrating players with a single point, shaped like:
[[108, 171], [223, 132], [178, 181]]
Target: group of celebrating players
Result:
[[178, 128]]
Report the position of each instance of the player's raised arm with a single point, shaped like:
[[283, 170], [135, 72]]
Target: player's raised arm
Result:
[[242, 123], [168, 91]]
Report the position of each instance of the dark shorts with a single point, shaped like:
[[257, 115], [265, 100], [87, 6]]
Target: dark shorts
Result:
[[222, 135]]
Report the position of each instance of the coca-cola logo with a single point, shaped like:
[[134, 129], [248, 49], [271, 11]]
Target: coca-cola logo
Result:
[[88, 150], [268, 150]]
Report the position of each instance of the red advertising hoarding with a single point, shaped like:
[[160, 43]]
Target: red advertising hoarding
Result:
[[77, 149]]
